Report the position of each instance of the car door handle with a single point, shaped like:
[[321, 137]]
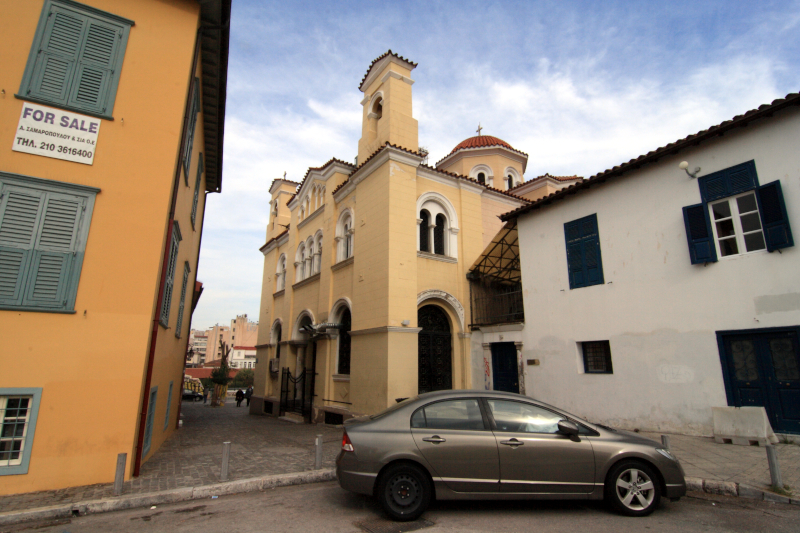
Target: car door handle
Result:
[[513, 443], [436, 439]]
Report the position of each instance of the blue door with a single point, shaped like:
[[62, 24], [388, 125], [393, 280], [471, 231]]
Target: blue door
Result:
[[505, 372], [763, 369]]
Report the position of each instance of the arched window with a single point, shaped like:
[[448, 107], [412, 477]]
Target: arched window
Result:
[[438, 234], [310, 257], [344, 236], [482, 174], [482, 178], [512, 178], [423, 231], [377, 108], [280, 273], [318, 252], [438, 225], [299, 263], [343, 366]]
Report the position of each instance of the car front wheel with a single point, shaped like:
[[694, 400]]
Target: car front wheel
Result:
[[633, 488], [405, 492]]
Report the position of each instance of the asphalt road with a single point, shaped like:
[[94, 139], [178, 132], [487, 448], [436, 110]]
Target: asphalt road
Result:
[[325, 508]]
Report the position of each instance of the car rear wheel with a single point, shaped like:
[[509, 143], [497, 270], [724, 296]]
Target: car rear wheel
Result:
[[405, 492], [633, 489]]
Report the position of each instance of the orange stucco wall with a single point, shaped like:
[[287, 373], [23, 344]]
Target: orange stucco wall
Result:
[[91, 376]]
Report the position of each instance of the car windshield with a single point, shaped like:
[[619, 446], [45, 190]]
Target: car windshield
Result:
[[392, 408]]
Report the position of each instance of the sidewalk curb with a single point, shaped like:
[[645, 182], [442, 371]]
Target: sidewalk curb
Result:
[[731, 488], [132, 501]]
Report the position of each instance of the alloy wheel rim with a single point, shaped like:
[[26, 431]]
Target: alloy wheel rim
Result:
[[635, 489]]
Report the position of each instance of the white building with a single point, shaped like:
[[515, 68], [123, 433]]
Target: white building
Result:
[[651, 296], [243, 357]]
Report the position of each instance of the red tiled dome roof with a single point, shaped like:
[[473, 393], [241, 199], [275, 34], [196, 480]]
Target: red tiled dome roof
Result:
[[481, 141]]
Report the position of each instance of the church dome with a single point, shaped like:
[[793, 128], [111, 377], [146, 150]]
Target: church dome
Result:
[[482, 141]]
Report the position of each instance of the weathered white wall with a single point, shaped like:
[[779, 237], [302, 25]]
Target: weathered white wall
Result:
[[659, 312]]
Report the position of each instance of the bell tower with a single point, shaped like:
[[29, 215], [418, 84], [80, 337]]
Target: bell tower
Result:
[[387, 106]]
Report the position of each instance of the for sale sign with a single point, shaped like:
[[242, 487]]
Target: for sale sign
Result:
[[55, 133]]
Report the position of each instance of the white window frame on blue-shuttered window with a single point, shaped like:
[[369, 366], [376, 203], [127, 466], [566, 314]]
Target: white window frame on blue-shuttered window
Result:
[[22, 259], [20, 464], [97, 96]]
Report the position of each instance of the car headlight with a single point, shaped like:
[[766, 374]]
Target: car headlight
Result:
[[667, 454]]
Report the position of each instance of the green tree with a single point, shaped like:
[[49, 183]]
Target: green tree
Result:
[[244, 378]]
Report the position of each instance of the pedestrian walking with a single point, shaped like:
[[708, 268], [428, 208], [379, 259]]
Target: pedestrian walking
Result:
[[248, 393], [239, 397], [205, 394]]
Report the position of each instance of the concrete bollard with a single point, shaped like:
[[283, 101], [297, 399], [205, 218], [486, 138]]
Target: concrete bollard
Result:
[[119, 477], [226, 458], [774, 467], [318, 456], [665, 442]]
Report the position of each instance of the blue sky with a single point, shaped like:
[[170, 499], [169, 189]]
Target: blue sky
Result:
[[579, 86]]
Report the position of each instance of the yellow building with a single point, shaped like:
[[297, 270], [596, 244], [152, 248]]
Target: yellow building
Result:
[[365, 267], [112, 118]]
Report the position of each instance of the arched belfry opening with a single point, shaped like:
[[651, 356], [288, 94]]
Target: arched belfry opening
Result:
[[435, 349]]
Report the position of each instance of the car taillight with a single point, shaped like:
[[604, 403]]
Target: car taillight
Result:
[[346, 444]]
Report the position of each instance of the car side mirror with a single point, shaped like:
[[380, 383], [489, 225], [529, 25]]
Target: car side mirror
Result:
[[568, 428]]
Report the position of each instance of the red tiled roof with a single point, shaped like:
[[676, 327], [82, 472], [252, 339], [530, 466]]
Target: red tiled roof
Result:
[[275, 238], [244, 347], [389, 53], [546, 176], [739, 121], [201, 373], [481, 141]]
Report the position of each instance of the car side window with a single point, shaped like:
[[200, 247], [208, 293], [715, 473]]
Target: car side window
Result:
[[451, 414], [518, 417]]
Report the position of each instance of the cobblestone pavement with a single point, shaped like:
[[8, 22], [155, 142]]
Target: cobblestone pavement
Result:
[[192, 456], [701, 457]]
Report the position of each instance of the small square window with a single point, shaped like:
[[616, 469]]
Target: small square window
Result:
[[597, 357]]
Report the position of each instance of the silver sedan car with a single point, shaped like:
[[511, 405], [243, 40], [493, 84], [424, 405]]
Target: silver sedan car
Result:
[[482, 445]]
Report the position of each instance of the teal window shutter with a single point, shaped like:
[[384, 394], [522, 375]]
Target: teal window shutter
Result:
[[190, 130], [169, 406], [148, 426], [169, 281], [20, 212], [197, 182], [584, 261], [43, 231], [774, 219], [76, 58], [179, 325]]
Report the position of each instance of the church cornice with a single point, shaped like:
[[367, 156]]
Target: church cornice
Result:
[[483, 151], [375, 67], [388, 152], [322, 173]]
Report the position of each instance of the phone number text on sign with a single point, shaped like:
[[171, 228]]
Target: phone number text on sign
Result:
[[55, 133]]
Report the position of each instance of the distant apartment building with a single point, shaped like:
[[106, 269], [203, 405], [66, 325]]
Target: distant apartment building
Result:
[[198, 341], [214, 336], [243, 357], [243, 332]]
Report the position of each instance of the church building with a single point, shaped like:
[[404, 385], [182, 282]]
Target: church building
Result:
[[365, 297]]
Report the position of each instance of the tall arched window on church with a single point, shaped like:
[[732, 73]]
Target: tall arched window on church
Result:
[[438, 234], [344, 343], [424, 246], [482, 178]]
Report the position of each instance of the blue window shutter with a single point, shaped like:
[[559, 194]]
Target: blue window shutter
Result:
[[699, 235], [195, 105], [584, 260], [169, 281], [774, 219], [148, 426], [182, 303], [55, 252], [197, 183], [20, 214], [169, 406], [727, 182]]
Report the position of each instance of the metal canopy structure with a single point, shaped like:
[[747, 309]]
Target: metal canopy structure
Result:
[[500, 260]]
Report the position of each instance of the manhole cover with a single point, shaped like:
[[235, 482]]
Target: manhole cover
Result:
[[387, 526]]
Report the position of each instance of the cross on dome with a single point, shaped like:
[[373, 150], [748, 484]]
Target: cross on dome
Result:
[[479, 129]]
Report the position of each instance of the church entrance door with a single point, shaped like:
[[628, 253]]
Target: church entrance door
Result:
[[435, 350]]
